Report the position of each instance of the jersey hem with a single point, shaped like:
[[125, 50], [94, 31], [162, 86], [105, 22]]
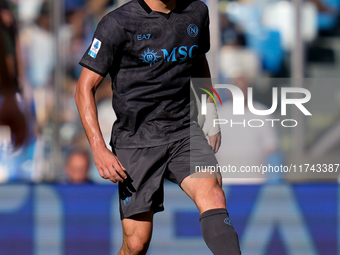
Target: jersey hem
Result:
[[154, 144]]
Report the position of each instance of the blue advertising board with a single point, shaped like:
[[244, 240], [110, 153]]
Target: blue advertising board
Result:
[[278, 219]]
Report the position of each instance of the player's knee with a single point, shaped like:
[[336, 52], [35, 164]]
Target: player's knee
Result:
[[210, 199], [217, 196], [136, 246]]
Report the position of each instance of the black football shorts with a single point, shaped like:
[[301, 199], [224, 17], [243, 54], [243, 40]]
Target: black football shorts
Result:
[[147, 167]]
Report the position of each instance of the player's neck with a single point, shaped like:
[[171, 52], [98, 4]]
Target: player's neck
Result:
[[164, 6]]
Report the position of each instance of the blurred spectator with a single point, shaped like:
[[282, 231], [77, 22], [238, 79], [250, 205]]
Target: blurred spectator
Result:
[[231, 34], [74, 37], [38, 52], [98, 8], [235, 60], [77, 167], [9, 37], [13, 125], [243, 145], [235, 57], [81, 19], [323, 7], [10, 113], [73, 46]]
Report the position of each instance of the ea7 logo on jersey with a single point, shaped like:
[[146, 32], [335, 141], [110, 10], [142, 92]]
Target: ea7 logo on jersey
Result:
[[143, 37], [95, 47]]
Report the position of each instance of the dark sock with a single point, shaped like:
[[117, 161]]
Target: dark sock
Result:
[[219, 233]]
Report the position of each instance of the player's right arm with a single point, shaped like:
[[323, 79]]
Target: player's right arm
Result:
[[106, 162]]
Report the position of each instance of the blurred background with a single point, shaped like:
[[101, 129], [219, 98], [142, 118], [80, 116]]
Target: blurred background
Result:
[[46, 169]]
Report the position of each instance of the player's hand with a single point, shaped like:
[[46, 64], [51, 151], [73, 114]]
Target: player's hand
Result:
[[215, 141], [108, 165]]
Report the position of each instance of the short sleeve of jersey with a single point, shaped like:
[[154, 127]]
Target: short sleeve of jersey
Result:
[[205, 36], [104, 48]]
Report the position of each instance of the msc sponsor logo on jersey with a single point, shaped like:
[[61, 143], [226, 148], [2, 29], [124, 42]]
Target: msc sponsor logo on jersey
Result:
[[150, 57], [184, 53], [192, 30], [95, 47], [177, 53]]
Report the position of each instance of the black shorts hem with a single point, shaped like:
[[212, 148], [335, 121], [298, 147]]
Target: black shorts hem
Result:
[[130, 214], [182, 179]]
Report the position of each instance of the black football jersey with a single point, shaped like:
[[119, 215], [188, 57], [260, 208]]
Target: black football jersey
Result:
[[149, 56]]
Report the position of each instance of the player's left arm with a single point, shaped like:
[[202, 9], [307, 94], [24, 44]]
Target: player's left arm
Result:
[[202, 70]]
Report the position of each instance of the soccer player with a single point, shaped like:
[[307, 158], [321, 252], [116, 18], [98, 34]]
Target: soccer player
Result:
[[151, 49]]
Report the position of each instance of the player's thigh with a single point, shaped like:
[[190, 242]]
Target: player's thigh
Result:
[[205, 190], [203, 186], [137, 231]]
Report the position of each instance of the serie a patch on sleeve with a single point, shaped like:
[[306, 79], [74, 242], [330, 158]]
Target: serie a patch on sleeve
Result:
[[95, 47]]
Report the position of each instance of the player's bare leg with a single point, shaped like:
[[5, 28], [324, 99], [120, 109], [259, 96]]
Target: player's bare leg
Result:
[[137, 232], [217, 230], [205, 191]]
